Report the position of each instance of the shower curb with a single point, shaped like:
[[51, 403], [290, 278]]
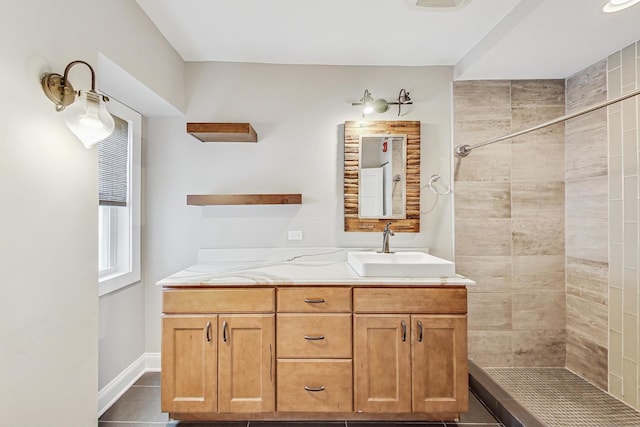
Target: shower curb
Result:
[[497, 400]]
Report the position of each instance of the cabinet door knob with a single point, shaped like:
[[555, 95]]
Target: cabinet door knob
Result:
[[404, 330], [314, 300], [208, 331], [314, 338], [224, 331], [314, 389], [419, 331]]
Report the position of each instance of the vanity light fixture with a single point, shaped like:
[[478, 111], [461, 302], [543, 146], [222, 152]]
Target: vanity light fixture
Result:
[[85, 112], [382, 105], [618, 5]]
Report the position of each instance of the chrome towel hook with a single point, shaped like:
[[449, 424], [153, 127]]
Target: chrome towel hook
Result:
[[435, 178]]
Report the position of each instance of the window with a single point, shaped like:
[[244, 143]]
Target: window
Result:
[[119, 164]]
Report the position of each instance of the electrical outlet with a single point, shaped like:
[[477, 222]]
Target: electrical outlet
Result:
[[295, 235]]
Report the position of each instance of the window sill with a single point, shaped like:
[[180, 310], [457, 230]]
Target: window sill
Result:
[[116, 281]]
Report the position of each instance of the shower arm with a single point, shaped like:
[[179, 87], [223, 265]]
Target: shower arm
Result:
[[464, 150]]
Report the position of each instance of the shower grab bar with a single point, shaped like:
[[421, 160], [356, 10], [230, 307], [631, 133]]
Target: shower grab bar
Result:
[[464, 150]]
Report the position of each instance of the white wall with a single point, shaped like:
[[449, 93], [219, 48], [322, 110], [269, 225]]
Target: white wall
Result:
[[298, 113], [48, 193]]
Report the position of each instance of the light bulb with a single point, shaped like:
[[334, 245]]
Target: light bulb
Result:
[[89, 119]]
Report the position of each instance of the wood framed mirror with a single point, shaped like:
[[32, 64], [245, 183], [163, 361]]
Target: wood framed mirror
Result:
[[373, 132]]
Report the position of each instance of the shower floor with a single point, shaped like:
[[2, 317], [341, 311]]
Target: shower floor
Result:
[[559, 398]]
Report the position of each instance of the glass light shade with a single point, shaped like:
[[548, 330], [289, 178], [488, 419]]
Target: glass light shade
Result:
[[89, 119], [618, 5]]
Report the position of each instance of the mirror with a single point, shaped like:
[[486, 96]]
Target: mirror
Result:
[[381, 183], [372, 197]]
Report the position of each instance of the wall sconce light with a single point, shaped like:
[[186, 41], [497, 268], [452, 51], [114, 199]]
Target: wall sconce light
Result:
[[381, 105], [85, 112]]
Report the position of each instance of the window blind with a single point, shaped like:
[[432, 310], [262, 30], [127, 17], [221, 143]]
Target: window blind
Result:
[[113, 165]]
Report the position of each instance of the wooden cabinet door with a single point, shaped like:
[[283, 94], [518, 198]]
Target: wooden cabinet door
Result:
[[189, 366], [382, 363], [439, 359], [246, 374]]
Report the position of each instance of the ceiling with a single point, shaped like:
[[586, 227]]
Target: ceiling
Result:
[[487, 39]]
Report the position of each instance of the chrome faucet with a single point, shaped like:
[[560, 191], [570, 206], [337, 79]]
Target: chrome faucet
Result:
[[385, 238]]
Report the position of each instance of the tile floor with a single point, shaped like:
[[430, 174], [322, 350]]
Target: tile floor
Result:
[[140, 407]]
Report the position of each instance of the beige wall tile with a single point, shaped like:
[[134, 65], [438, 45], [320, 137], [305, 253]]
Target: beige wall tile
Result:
[[615, 353], [615, 310], [630, 382], [616, 265], [490, 163], [538, 236], [527, 116], [485, 100], [527, 93], [491, 273], [537, 163], [615, 133], [588, 197], [630, 291], [628, 65], [490, 238], [587, 359], [489, 312], [535, 199], [587, 238], [630, 244], [587, 279], [615, 178], [629, 114], [539, 348], [491, 348], [483, 200], [629, 153], [588, 319], [615, 386], [630, 337], [616, 233], [613, 61], [538, 311], [614, 83], [538, 273], [586, 146], [587, 87]]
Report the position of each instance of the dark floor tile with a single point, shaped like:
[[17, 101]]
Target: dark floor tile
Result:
[[138, 404], [477, 413], [395, 424], [149, 378], [297, 424]]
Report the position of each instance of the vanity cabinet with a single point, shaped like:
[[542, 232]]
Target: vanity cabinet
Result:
[[410, 350], [315, 352], [218, 351]]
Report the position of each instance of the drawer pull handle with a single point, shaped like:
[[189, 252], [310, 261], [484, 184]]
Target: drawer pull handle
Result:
[[314, 300], [319, 337], [419, 331], [208, 331], [314, 389], [404, 330], [224, 331]]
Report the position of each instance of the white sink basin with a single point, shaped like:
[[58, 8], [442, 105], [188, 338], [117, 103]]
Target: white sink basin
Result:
[[399, 264]]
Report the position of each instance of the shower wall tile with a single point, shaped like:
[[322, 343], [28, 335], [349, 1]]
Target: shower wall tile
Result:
[[483, 199], [588, 319], [587, 280], [489, 311], [587, 359], [629, 337], [539, 348], [491, 348], [628, 65], [534, 93], [538, 236], [587, 238], [538, 273], [614, 82], [630, 382], [616, 265], [616, 233], [535, 199], [493, 163], [485, 100], [538, 311], [586, 153], [615, 313], [613, 61], [615, 386], [615, 133], [587, 87], [615, 353], [491, 274], [538, 162], [492, 238], [630, 291], [587, 197]]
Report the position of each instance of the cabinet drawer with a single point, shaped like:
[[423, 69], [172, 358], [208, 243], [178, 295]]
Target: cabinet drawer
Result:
[[314, 385], [440, 300], [314, 335], [314, 300], [218, 300]]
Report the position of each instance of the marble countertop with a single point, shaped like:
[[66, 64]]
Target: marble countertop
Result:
[[285, 266]]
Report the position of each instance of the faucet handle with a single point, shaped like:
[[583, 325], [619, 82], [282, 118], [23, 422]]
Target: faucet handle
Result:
[[388, 230]]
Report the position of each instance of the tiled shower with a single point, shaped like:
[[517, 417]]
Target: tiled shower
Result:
[[547, 223]]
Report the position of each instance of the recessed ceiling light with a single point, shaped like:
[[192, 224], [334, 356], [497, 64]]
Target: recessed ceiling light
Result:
[[618, 5], [441, 4]]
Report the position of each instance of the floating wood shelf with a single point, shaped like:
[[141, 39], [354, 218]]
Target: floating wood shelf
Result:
[[222, 132], [244, 199]]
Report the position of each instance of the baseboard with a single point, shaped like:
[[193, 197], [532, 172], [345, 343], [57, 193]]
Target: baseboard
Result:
[[109, 394]]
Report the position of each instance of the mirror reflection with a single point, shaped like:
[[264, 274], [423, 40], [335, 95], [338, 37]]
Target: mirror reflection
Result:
[[382, 176]]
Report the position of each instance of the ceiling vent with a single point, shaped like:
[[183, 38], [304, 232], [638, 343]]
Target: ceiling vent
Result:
[[439, 4]]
